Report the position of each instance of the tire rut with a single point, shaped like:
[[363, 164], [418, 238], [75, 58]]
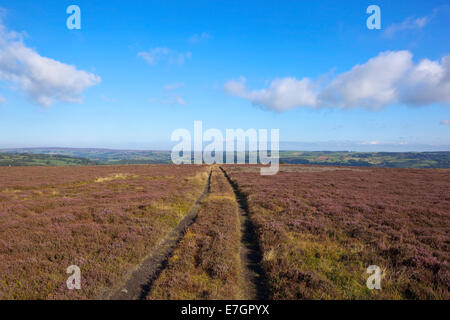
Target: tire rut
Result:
[[140, 283], [256, 287]]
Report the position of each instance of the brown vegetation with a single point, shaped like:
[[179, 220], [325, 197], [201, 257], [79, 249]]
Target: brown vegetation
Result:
[[104, 219], [320, 228]]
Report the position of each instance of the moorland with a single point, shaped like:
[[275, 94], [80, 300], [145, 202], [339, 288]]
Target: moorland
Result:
[[308, 232]]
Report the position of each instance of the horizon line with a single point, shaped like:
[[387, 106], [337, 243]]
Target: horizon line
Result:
[[224, 151]]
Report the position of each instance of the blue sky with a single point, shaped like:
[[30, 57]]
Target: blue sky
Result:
[[142, 69]]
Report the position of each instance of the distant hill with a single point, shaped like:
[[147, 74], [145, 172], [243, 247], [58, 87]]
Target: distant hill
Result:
[[81, 156], [28, 159], [103, 156], [439, 159]]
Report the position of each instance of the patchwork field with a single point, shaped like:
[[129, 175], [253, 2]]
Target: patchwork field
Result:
[[210, 232], [74, 156], [28, 159]]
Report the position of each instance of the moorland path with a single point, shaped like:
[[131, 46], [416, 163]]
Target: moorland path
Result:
[[255, 283], [140, 283]]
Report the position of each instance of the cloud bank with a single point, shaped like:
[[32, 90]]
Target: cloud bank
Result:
[[43, 80], [389, 78]]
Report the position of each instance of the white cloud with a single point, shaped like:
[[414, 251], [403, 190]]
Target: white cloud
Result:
[[369, 85], [445, 122], [236, 88], [2, 100], [389, 78], [155, 55], [426, 83], [43, 80], [407, 24], [202, 37], [282, 94]]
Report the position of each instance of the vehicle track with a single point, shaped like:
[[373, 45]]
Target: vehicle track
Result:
[[255, 282], [140, 283]]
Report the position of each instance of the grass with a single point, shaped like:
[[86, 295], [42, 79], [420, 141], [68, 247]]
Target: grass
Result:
[[115, 176]]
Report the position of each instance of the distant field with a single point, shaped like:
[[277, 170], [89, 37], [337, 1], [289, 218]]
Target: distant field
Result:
[[105, 219], [321, 227], [27, 159], [369, 159], [102, 156], [361, 159]]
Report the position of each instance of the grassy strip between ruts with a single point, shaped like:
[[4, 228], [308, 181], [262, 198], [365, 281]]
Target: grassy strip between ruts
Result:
[[206, 262]]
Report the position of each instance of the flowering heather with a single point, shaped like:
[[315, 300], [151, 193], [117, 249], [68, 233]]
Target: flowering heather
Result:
[[205, 264], [321, 227], [104, 219]]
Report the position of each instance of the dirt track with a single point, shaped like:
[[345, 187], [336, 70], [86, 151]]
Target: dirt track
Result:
[[255, 284], [139, 284]]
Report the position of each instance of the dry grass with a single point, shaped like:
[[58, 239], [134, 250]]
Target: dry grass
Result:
[[116, 176]]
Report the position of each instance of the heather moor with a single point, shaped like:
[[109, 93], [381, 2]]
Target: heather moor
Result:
[[221, 159]]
